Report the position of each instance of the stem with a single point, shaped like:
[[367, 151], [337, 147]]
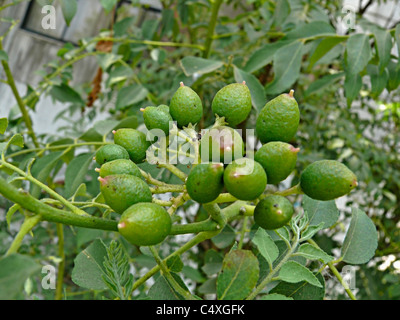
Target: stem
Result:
[[174, 170], [216, 4], [21, 105], [61, 266], [215, 213], [168, 188], [293, 190], [52, 214], [243, 232], [44, 187], [26, 227], [195, 227], [225, 197], [167, 275], [150, 42], [339, 277]]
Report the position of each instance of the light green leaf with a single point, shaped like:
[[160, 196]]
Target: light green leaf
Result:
[[275, 296], [281, 12], [130, 95], [258, 98], [3, 125], [17, 140], [104, 127], [128, 122], [361, 239], [13, 209], [239, 275], [287, 63], [14, 270], [294, 272], [118, 74], [320, 211], [191, 65], [358, 53], [264, 55], [266, 245], [108, 59], [323, 48], [108, 5], [69, 8], [312, 253], [311, 230], [76, 172], [88, 267]]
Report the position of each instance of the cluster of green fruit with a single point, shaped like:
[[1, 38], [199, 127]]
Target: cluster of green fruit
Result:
[[224, 167]]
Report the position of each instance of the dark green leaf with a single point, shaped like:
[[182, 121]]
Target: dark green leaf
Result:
[[65, 93], [85, 235], [352, 87], [175, 264], [263, 56], [191, 65], [287, 63], [358, 53], [76, 172], [311, 29], [224, 238], [149, 27], [161, 289], [69, 8], [397, 39], [361, 239], [320, 211], [378, 79], [282, 11], [258, 98], [239, 275], [383, 44], [294, 272], [88, 267], [130, 95], [302, 290], [323, 48], [266, 246], [275, 296], [14, 270]]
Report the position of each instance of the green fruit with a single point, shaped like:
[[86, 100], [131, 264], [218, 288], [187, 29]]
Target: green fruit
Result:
[[134, 142], [245, 179], [110, 152], [119, 166], [273, 212], [278, 160], [186, 106], [157, 118], [279, 119], [205, 182], [120, 191], [327, 180], [232, 102], [221, 144], [145, 224]]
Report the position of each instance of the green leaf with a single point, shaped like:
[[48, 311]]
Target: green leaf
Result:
[[191, 65], [128, 122], [323, 48], [175, 264], [108, 5], [119, 74], [224, 238], [69, 8], [130, 95], [161, 290], [275, 296], [358, 53], [287, 63], [379, 79], [320, 211], [311, 29], [281, 12], [13, 209], [3, 125], [383, 44], [323, 83], [85, 235], [104, 127], [76, 172], [238, 276], [107, 60], [14, 270], [397, 39], [311, 230], [88, 267], [149, 27], [212, 262], [91, 135], [312, 253], [264, 55], [41, 170], [301, 290], [294, 272], [258, 98], [361, 239], [266, 245], [65, 93], [352, 87], [3, 56], [394, 76]]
